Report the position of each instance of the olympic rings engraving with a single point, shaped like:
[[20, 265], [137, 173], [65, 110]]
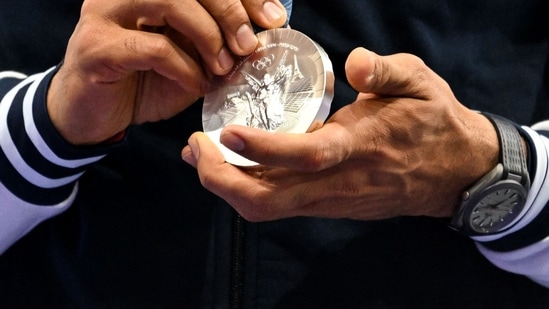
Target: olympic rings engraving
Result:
[[264, 62]]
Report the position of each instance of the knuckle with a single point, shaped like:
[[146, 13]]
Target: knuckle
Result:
[[160, 48], [232, 8], [317, 160], [415, 60], [418, 66], [312, 164], [225, 11], [418, 76], [420, 73], [212, 35]]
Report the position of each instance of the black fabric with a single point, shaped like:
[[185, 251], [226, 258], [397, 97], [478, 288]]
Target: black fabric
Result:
[[143, 233], [34, 34]]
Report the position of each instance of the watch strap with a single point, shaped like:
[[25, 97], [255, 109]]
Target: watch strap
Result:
[[511, 153]]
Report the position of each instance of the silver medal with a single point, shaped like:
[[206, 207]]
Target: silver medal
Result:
[[285, 85]]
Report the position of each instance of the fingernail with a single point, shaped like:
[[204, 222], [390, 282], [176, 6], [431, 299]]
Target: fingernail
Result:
[[188, 156], [225, 59], [232, 141], [272, 11], [246, 38]]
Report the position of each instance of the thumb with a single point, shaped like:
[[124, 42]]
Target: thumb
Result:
[[394, 75]]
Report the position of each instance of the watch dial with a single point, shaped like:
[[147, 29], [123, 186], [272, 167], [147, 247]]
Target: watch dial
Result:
[[497, 210]]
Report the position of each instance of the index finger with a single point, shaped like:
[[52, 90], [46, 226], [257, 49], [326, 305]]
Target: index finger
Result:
[[232, 16], [187, 17], [229, 18], [196, 23], [233, 21]]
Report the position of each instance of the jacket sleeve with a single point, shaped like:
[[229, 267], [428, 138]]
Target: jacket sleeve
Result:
[[38, 169], [524, 249]]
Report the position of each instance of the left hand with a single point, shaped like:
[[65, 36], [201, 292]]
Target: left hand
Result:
[[130, 62], [405, 147]]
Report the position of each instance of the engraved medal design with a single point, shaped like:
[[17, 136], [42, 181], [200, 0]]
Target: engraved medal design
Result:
[[285, 85]]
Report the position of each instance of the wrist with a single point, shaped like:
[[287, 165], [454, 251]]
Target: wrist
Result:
[[485, 147], [75, 121]]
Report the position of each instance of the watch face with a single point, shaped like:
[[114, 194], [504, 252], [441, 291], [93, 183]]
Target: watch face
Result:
[[499, 207], [285, 85]]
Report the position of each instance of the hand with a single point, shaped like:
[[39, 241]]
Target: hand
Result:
[[405, 147], [139, 61]]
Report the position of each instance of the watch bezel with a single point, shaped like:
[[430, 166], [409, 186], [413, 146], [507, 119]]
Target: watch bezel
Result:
[[476, 199]]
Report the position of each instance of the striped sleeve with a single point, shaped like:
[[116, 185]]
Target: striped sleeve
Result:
[[38, 169], [524, 249]]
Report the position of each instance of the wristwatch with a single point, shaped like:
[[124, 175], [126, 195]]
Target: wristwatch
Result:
[[493, 203]]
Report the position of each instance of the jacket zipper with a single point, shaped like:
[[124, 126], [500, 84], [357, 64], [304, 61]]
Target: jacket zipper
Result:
[[237, 261]]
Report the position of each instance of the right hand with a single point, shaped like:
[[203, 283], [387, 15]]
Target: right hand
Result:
[[140, 61]]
